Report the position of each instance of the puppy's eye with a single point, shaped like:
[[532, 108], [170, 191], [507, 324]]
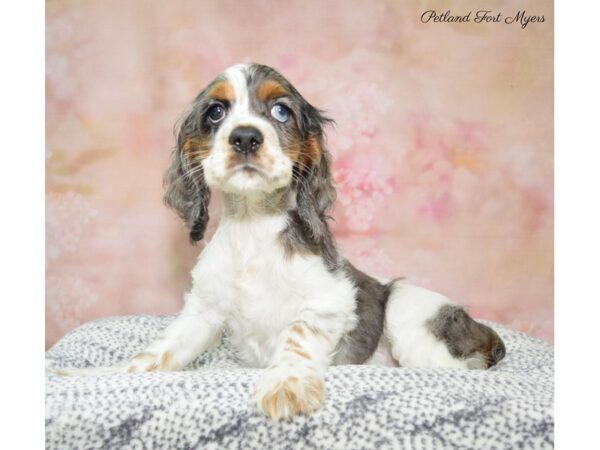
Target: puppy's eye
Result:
[[280, 112], [216, 113]]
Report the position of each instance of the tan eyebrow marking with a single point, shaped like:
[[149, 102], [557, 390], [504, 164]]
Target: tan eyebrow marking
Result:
[[270, 89], [223, 90]]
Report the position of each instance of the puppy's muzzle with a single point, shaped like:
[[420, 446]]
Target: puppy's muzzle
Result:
[[246, 140]]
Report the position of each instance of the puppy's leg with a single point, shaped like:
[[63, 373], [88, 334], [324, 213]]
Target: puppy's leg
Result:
[[425, 329], [293, 383], [188, 336]]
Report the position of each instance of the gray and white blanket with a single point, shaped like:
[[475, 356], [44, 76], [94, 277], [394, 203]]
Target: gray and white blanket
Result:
[[207, 406]]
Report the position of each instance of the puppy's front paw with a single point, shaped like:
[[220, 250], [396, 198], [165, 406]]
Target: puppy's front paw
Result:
[[281, 395], [142, 362], [150, 362]]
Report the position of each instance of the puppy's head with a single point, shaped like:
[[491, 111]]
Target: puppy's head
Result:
[[249, 133]]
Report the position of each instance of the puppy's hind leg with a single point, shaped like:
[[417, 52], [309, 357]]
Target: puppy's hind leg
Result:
[[425, 329]]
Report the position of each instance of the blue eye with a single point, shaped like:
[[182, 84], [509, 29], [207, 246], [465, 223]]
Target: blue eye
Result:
[[216, 113], [280, 112]]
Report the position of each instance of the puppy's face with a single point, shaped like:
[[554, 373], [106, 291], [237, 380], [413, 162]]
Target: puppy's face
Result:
[[251, 131]]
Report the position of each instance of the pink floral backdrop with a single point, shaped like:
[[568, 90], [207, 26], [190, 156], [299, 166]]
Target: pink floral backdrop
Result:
[[443, 147]]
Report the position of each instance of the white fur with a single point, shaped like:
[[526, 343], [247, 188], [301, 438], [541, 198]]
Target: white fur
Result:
[[236, 75], [244, 275], [244, 282]]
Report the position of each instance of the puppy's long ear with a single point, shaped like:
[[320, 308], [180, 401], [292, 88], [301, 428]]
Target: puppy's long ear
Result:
[[315, 190], [186, 190]]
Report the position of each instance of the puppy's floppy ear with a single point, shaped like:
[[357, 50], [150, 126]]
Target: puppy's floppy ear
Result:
[[315, 190], [186, 190]]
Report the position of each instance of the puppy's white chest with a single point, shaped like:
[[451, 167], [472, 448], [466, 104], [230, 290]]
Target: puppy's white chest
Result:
[[261, 291], [256, 265], [256, 284]]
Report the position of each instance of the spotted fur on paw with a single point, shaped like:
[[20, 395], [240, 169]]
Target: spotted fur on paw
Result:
[[282, 395]]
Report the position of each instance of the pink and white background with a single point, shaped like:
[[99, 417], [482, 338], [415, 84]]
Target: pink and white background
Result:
[[443, 147]]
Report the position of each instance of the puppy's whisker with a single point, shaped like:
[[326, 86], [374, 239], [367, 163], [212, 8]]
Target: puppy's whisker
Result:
[[191, 172]]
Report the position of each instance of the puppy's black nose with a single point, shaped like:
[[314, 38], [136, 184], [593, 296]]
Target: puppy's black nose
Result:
[[497, 353], [246, 140]]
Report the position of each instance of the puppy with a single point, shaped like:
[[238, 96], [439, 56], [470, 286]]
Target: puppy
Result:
[[272, 275]]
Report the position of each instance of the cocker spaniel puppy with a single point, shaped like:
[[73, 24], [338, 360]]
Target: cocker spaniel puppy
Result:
[[272, 275]]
